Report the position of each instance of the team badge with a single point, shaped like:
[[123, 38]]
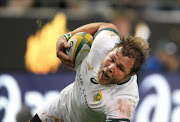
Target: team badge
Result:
[[98, 96]]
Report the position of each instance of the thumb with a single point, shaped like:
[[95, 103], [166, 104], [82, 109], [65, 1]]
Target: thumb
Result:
[[66, 45]]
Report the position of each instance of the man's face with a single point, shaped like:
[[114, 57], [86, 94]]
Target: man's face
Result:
[[115, 68]]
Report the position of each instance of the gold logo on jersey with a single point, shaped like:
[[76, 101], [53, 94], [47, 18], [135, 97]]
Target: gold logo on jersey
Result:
[[98, 96], [52, 118], [89, 67]]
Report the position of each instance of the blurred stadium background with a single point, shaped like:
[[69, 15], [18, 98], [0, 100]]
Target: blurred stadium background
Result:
[[31, 75]]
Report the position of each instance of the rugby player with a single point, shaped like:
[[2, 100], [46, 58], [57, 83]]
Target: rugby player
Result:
[[105, 88]]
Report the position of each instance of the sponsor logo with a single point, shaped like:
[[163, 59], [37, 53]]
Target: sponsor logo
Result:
[[89, 67], [93, 80], [52, 118]]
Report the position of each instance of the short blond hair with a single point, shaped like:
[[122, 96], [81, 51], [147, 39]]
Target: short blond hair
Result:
[[136, 48]]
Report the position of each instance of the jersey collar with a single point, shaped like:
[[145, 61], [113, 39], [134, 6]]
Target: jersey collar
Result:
[[124, 81]]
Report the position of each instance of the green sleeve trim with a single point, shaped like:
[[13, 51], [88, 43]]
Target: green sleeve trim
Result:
[[65, 37], [118, 120], [125, 81], [110, 29]]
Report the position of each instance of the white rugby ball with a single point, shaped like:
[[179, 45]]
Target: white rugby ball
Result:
[[80, 46]]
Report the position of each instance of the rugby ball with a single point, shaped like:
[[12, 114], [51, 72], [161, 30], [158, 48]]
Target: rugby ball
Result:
[[80, 45]]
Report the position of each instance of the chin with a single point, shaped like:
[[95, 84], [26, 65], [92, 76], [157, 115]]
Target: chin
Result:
[[103, 82]]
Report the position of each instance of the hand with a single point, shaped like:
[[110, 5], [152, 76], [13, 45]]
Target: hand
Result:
[[61, 45]]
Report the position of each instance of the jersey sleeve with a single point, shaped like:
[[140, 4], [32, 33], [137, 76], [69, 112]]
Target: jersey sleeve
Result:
[[107, 29], [105, 39], [103, 42], [119, 110]]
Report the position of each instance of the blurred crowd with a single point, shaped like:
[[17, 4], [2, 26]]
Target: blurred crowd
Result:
[[127, 16], [164, 55]]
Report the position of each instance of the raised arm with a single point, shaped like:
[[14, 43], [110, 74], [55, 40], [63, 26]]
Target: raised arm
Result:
[[92, 28], [62, 44]]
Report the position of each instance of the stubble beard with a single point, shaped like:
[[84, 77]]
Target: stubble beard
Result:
[[102, 82], [98, 75], [110, 81]]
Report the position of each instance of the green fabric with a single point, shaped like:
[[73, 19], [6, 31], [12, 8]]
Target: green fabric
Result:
[[125, 81], [84, 41], [110, 29], [118, 120]]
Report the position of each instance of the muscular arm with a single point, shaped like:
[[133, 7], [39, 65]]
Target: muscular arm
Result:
[[62, 44], [92, 28]]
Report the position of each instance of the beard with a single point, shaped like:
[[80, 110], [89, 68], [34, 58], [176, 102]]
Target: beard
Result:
[[101, 69], [98, 75], [103, 78]]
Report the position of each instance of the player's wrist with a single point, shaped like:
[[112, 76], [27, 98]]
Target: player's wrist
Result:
[[67, 36]]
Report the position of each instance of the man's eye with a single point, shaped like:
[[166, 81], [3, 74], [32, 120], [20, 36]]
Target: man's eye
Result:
[[112, 59], [120, 68]]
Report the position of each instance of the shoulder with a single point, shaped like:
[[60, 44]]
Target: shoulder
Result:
[[106, 32], [128, 90], [119, 108], [105, 39]]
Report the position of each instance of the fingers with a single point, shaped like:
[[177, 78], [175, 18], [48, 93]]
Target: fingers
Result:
[[65, 59], [68, 64], [61, 42], [61, 45], [66, 45]]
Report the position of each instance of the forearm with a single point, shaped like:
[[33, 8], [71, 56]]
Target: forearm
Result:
[[92, 28], [62, 42]]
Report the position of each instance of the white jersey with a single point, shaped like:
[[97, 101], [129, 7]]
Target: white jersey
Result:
[[87, 101]]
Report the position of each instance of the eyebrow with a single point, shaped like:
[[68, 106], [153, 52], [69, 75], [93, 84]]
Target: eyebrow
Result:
[[123, 68], [120, 65], [116, 53]]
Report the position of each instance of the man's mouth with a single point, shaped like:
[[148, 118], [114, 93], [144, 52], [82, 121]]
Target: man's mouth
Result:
[[105, 76]]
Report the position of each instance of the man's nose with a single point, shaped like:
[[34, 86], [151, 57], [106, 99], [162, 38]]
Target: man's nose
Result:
[[111, 68]]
